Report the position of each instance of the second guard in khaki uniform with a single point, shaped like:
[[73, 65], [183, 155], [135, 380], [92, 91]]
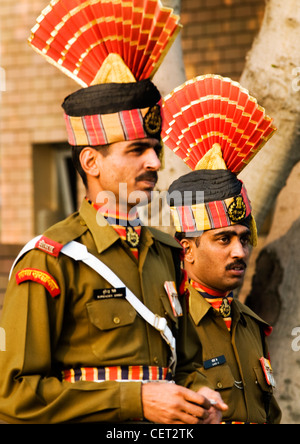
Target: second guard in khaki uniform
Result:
[[217, 128]]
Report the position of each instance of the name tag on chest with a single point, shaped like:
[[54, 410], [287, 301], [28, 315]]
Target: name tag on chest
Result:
[[214, 362], [109, 293]]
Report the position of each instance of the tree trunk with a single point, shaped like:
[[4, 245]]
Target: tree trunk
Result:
[[275, 297], [272, 76]]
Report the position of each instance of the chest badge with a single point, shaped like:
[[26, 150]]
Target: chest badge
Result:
[[132, 237], [225, 308]]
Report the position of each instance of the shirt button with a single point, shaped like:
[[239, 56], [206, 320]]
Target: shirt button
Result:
[[155, 359], [117, 320], [219, 385]]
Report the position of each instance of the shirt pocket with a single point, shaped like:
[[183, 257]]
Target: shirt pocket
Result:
[[111, 313], [220, 377], [111, 323]]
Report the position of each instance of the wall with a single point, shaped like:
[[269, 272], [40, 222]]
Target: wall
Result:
[[30, 114], [218, 34]]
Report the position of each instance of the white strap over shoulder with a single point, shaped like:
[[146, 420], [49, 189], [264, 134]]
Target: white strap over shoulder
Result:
[[79, 252], [29, 246]]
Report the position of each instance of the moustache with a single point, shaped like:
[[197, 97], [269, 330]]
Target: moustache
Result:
[[237, 264], [149, 176]]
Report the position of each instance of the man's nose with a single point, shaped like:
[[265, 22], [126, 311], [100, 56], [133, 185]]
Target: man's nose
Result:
[[239, 251], [152, 161]]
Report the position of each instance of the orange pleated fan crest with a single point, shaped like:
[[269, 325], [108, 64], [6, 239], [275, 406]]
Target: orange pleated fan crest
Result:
[[78, 35], [211, 111]]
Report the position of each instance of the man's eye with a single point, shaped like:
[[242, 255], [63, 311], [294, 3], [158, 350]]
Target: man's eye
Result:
[[245, 240], [137, 150], [225, 239]]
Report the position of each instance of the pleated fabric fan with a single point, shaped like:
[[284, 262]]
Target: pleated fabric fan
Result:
[[210, 114], [79, 36]]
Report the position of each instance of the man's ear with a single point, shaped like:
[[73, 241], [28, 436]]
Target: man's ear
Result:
[[89, 161], [188, 247]]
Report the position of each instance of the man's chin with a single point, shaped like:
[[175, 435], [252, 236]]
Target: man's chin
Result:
[[138, 199], [235, 284]]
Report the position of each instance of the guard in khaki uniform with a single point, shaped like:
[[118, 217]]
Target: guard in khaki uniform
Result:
[[231, 359], [93, 308], [65, 326], [214, 222]]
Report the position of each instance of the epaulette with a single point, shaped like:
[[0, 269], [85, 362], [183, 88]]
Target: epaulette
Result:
[[164, 238], [67, 230], [49, 246], [267, 329], [54, 239]]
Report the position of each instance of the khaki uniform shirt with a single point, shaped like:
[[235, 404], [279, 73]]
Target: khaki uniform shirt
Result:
[[240, 380], [45, 335]]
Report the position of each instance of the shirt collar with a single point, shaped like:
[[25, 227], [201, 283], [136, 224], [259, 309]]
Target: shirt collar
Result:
[[116, 217], [107, 235], [199, 307], [103, 238]]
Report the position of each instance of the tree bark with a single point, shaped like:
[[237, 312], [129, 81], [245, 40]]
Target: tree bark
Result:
[[271, 75], [275, 297]]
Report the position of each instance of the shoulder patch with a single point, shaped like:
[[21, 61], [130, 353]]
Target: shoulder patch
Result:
[[40, 277], [49, 246]]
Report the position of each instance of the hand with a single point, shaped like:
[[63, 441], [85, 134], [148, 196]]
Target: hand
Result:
[[166, 403], [218, 406]]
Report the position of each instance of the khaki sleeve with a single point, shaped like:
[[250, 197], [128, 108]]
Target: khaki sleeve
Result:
[[29, 390]]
